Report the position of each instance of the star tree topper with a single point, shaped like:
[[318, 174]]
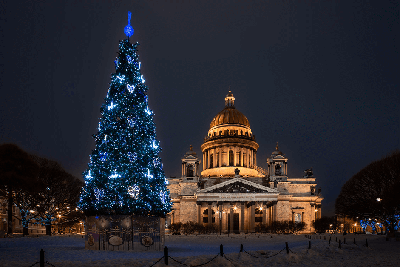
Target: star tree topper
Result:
[[128, 30]]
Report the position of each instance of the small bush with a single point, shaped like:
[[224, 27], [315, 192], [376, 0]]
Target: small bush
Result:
[[212, 229], [176, 228], [188, 228], [200, 228], [281, 227]]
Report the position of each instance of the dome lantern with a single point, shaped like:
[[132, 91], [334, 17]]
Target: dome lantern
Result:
[[229, 100]]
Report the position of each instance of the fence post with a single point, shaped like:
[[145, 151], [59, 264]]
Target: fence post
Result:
[[221, 250], [309, 244], [340, 244], [241, 247], [166, 255], [287, 247], [41, 263]]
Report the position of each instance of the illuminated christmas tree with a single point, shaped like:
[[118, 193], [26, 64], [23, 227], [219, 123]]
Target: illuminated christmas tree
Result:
[[125, 173]]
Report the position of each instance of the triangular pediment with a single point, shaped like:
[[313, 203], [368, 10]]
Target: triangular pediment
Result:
[[238, 185]]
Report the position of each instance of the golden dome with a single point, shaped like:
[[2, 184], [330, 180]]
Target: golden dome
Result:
[[229, 115]]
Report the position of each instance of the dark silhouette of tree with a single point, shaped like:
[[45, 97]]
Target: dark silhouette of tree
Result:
[[324, 223], [18, 172], [60, 193], [373, 193]]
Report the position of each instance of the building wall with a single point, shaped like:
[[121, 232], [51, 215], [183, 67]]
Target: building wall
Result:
[[188, 209]]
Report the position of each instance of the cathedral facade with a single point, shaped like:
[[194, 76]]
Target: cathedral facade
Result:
[[232, 191]]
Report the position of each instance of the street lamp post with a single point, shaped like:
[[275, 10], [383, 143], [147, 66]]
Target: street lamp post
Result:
[[59, 222]]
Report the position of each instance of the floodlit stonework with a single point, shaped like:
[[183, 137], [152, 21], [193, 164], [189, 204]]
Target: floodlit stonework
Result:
[[232, 191]]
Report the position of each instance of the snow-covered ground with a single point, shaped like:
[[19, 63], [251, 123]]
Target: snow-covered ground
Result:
[[259, 250]]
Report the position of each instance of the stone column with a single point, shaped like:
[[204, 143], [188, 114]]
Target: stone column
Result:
[[273, 213], [252, 217], [269, 215], [220, 157], [214, 158], [199, 217], [234, 156], [208, 158], [264, 214], [241, 229], [210, 213], [231, 219], [204, 160], [220, 216]]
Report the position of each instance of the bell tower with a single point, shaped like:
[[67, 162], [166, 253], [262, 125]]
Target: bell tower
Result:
[[190, 166], [277, 165]]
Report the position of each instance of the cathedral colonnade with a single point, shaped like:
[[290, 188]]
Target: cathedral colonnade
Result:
[[229, 156], [236, 216]]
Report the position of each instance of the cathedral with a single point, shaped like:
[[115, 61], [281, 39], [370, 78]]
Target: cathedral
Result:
[[232, 191]]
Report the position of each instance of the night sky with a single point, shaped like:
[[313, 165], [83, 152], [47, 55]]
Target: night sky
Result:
[[320, 77]]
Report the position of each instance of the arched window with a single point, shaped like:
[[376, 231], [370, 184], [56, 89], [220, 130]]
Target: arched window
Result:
[[211, 160], [278, 169], [217, 155], [230, 158], [189, 170], [205, 216]]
